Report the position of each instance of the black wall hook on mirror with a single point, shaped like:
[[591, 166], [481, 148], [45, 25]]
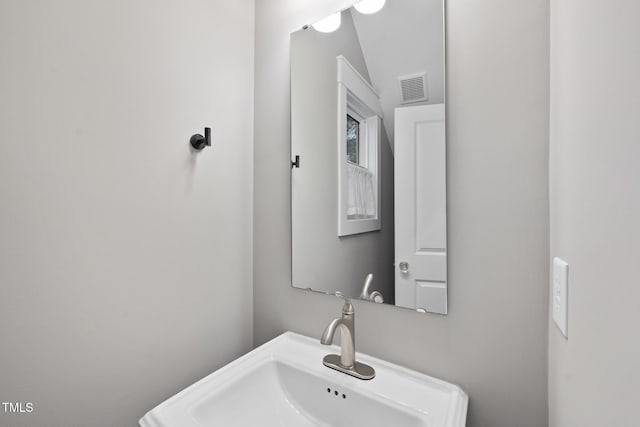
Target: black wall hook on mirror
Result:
[[296, 164], [198, 142]]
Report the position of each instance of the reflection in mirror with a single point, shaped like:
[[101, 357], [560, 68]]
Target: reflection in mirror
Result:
[[368, 122]]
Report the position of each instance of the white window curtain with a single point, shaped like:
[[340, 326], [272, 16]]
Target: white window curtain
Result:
[[361, 199]]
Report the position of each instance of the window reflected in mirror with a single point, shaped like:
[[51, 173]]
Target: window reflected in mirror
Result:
[[353, 139]]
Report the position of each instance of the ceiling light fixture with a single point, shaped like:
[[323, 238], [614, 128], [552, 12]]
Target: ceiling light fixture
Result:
[[369, 6], [328, 24]]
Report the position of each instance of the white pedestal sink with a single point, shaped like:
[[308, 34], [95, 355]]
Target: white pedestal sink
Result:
[[284, 383]]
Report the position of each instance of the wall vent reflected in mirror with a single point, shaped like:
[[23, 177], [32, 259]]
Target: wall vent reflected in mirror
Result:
[[368, 117], [413, 88]]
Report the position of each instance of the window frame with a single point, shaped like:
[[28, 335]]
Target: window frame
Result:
[[355, 95]]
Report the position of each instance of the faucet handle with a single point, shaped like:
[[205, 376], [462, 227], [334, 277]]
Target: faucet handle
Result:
[[347, 308]]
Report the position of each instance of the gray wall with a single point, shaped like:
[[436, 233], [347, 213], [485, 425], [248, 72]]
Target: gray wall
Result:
[[494, 341], [319, 255], [125, 259], [595, 211]]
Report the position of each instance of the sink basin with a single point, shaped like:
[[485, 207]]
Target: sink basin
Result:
[[284, 383]]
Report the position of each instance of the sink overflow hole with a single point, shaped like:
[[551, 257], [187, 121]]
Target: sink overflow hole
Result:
[[344, 396]]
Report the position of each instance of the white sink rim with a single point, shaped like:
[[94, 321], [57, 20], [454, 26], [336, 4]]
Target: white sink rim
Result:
[[167, 413]]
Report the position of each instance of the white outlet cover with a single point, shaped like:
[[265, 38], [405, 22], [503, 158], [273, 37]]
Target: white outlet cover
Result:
[[559, 296]]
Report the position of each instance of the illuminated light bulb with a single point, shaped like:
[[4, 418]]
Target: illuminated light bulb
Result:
[[369, 6], [328, 24]]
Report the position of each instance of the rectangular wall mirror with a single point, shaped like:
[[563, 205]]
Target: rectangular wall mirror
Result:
[[368, 192]]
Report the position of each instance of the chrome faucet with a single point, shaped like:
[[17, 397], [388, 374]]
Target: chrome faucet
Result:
[[346, 362]]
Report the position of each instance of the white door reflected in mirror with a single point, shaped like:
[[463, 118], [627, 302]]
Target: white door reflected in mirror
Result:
[[420, 208]]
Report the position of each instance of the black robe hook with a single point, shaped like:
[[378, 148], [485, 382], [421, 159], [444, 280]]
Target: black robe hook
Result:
[[198, 142]]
